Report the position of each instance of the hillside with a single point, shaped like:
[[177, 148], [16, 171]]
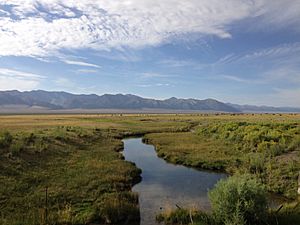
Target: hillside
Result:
[[63, 100]]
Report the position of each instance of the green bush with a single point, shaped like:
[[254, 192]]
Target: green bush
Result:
[[240, 199], [16, 148], [5, 139], [256, 162]]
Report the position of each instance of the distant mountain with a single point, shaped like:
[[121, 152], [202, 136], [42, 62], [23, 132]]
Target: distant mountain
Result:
[[270, 109], [64, 100], [16, 101]]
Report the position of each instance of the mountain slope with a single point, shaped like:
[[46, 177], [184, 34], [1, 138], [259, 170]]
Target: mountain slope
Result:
[[254, 108], [63, 100]]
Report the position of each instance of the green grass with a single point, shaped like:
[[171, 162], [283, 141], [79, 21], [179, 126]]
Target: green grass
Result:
[[271, 150], [76, 157], [86, 178], [186, 216], [239, 200], [191, 150], [288, 215]]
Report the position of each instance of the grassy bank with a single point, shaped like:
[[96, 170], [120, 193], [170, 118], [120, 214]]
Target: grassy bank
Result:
[[82, 170], [67, 169], [240, 199], [289, 215], [269, 149]]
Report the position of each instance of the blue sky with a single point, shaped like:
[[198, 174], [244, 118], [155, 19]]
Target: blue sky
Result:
[[238, 51]]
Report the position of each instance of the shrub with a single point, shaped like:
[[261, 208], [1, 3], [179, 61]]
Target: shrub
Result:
[[256, 162], [5, 139], [16, 148], [240, 199]]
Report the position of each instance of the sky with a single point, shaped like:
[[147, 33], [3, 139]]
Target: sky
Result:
[[238, 51]]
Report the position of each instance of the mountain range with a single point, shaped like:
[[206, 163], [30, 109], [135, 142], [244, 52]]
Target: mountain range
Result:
[[16, 100]]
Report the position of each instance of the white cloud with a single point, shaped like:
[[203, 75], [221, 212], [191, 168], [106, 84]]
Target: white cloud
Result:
[[155, 75], [80, 63], [20, 74], [155, 85], [278, 14], [15, 79], [177, 63], [235, 78], [106, 24], [86, 71], [276, 51]]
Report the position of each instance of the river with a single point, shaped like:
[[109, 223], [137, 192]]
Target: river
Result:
[[165, 185]]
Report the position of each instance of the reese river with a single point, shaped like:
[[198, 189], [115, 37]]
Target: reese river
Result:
[[165, 186]]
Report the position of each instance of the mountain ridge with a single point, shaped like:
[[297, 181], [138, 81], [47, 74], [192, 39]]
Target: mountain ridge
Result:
[[60, 100]]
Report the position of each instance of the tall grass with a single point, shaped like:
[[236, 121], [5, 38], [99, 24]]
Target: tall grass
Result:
[[87, 180]]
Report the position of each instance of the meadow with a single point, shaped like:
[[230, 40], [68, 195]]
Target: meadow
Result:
[[267, 146], [68, 169]]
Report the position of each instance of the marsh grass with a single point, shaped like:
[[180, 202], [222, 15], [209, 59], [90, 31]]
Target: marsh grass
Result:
[[77, 158], [268, 149], [81, 170]]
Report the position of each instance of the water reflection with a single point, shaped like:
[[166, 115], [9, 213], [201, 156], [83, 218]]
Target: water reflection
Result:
[[166, 185]]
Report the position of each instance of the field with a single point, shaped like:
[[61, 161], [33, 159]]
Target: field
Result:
[[268, 146], [68, 169]]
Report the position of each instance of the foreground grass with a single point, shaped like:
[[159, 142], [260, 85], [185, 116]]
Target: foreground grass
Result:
[[76, 160], [238, 200], [82, 170], [288, 215]]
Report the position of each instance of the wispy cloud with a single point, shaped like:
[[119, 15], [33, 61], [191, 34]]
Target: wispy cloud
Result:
[[282, 50], [177, 63], [155, 85], [20, 80], [156, 75], [86, 71], [235, 78], [42, 27], [20, 74], [227, 59], [81, 63]]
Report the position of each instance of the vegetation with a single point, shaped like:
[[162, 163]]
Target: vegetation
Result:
[[239, 200], [78, 171], [186, 216], [270, 150], [67, 169], [73, 161]]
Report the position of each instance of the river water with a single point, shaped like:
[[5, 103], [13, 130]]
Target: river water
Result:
[[166, 185]]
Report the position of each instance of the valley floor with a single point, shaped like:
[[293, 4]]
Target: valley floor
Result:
[[67, 169]]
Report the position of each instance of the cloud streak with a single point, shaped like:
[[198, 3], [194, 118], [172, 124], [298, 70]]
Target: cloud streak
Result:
[[86, 71], [81, 63], [39, 28], [15, 79]]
